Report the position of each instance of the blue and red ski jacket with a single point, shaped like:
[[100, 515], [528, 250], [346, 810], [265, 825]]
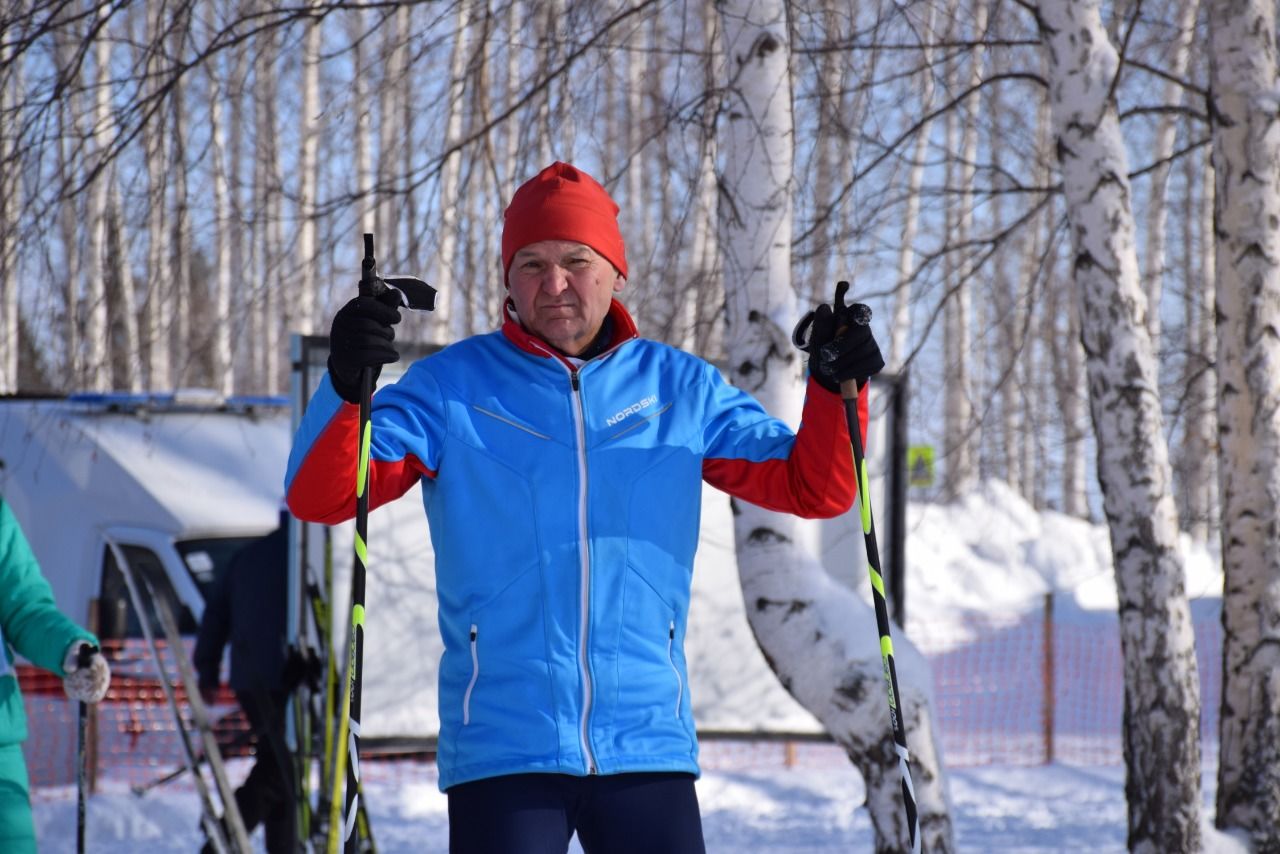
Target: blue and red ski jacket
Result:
[[563, 503]]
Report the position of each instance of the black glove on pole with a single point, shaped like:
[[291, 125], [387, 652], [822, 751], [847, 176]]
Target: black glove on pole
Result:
[[839, 342], [361, 339]]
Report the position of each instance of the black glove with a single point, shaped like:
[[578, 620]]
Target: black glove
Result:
[[360, 338], [840, 345]]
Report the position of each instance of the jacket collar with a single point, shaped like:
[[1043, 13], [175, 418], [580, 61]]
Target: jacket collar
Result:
[[624, 329]]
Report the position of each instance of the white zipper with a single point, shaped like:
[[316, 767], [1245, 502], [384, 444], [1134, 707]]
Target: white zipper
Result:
[[584, 560], [671, 658], [475, 674]]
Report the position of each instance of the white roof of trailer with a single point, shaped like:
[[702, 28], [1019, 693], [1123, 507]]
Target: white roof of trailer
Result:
[[72, 467]]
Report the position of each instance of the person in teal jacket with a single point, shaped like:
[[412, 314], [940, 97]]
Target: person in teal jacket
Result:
[[32, 626]]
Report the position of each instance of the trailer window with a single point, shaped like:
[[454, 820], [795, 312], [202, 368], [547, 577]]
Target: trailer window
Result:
[[116, 615], [208, 558]]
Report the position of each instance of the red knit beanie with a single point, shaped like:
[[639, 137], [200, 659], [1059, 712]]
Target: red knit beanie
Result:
[[563, 203]]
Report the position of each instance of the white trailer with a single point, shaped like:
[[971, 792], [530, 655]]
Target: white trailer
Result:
[[178, 481]]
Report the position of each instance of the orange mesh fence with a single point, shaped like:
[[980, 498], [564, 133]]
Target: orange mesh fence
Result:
[[132, 733], [1002, 697]]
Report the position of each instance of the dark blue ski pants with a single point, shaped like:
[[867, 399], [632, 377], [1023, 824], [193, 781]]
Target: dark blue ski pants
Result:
[[639, 813]]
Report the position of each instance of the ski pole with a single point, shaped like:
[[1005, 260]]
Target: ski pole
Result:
[[861, 316], [413, 293], [240, 739], [83, 659]]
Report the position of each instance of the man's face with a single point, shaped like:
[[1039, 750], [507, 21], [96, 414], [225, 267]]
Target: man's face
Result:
[[562, 292]]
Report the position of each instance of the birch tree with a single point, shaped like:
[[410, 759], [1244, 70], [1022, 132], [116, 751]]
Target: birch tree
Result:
[[97, 368], [123, 357], [154, 332], [1161, 686], [798, 614], [900, 325], [69, 220], [220, 334], [450, 325], [1246, 163], [9, 204], [183, 238], [960, 428], [267, 235], [306, 313], [1166, 134], [1200, 450]]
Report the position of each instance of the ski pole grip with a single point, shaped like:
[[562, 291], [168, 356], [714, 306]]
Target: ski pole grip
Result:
[[370, 284]]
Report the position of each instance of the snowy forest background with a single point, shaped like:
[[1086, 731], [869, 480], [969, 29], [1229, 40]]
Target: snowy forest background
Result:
[[1064, 214]]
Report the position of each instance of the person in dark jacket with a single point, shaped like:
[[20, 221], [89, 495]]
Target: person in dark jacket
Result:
[[246, 608], [561, 460]]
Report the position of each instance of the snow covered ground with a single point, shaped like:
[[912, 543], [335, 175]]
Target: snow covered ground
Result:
[[813, 807], [991, 551]]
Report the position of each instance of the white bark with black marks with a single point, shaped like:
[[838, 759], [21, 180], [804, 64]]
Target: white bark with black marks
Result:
[[818, 637], [1162, 702], [1246, 138]]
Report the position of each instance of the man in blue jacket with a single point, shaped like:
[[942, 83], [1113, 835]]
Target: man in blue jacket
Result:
[[561, 459]]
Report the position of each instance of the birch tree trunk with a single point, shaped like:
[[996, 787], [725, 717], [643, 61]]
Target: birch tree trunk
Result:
[[509, 159], [1027, 358], [1201, 444], [305, 302], [704, 300], [1166, 134], [97, 368], [827, 161], [123, 360], [1161, 696], [1246, 144], [449, 327], [241, 290], [393, 50], [408, 86], [180, 333], [962, 427], [900, 325], [1067, 366], [800, 616], [363, 155], [69, 222], [220, 344], [479, 262], [639, 237], [159, 247], [268, 186], [958, 427], [1004, 310], [126, 359], [10, 203]]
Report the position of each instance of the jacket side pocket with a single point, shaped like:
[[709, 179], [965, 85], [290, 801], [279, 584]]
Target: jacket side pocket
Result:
[[671, 659], [475, 674]]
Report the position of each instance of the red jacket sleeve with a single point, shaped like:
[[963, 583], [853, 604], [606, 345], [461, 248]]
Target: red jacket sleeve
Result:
[[321, 482], [815, 479]]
